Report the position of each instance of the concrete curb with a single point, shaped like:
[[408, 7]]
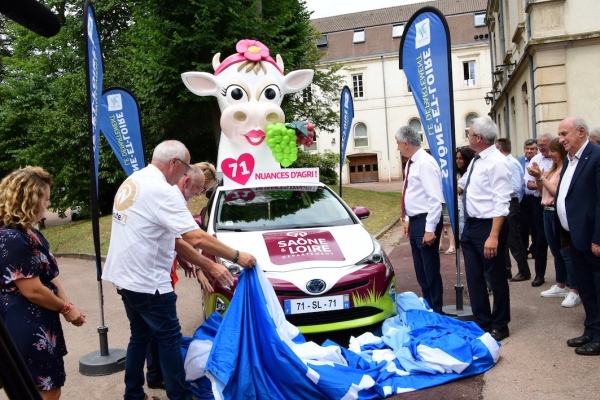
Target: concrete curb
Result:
[[387, 228], [83, 256]]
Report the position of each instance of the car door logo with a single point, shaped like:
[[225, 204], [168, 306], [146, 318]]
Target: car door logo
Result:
[[297, 234]]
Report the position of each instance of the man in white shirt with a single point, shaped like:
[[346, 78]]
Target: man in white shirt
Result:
[[422, 213], [150, 223], [515, 244], [578, 211], [486, 188], [527, 203], [541, 250]]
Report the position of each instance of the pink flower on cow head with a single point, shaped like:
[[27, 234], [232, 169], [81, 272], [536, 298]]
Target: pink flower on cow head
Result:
[[252, 50]]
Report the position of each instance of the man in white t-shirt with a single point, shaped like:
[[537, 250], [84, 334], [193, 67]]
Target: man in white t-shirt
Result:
[[541, 251], [150, 224]]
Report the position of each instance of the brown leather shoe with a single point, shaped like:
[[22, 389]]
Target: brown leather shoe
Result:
[[520, 278]]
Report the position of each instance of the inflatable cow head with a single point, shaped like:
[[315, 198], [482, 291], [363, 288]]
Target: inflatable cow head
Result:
[[249, 87]]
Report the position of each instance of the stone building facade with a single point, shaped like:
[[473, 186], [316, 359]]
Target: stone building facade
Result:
[[545, 55], [367, 44]]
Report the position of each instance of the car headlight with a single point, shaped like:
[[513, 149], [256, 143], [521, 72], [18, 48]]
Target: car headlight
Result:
[[233, 268], [378, 256]]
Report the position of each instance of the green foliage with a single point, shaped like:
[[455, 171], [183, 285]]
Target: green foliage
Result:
[[328, 164], [146, 44]]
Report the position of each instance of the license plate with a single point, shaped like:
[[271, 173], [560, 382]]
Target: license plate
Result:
[[316, 304]]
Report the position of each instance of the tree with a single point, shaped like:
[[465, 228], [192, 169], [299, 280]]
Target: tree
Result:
[[43, 117], [328, 164], [169, 38], [147, 44]]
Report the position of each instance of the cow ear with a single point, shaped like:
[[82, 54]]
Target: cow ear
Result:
[[295, 81], [200, 83]]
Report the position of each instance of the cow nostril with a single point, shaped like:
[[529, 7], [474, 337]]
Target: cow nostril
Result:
[[272, 118], [239, 116]]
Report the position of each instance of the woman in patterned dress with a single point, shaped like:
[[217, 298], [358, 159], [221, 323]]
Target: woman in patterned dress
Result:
[[31, 299]]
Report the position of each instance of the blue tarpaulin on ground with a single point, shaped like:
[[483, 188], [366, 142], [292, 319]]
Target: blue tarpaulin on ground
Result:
[[253, 352]]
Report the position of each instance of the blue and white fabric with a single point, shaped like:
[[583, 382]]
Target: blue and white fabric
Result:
[[253, 352]]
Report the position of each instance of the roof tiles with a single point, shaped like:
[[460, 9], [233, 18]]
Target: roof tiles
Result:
[[392, 15]]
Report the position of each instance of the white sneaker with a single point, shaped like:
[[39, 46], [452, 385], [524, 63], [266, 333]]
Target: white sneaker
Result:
[[571, 300], [555, 291]]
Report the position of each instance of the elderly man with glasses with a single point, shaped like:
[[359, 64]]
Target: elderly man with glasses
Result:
[[150, 224]]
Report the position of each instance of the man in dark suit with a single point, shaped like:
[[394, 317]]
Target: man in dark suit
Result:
[[578, 210]]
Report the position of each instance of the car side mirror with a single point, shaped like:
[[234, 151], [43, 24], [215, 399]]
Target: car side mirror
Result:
[[361, 212]]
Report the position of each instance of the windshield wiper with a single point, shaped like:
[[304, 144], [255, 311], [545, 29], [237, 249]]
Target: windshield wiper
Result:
[[232, 229]]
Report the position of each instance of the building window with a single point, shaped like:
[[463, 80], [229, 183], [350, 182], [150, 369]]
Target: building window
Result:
[[359, 36], [322, 41], [357, 86], [397, 30], [307, 94], [469, 73], [360, 135], [480, 19], [416, 125], [468, 122], [408, 85], [312, 147]]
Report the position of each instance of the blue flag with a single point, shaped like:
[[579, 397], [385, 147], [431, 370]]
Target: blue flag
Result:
[[120, 124], [425, 59], [254, 353], [346, 116], [95, 70]]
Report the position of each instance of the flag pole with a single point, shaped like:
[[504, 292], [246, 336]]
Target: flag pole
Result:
[[105, 361]]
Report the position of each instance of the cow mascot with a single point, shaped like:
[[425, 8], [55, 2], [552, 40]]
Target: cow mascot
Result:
[[249, 87]]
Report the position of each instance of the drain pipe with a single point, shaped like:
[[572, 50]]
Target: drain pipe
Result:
[[532, 97], [387, 139]]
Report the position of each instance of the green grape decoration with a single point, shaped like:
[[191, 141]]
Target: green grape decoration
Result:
[[282, 142]]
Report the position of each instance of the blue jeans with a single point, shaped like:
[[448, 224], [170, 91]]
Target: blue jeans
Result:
[[562, 257], [153, 315]]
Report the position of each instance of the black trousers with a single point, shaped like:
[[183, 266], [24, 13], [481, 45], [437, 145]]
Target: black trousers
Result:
[[587, 273], [426, 260], [472, 242], [541, 248], [515, 244], [526, 222]]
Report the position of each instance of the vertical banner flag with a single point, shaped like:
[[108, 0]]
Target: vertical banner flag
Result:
[[120, 123], [425, 59], [346, 116], [95, 70]]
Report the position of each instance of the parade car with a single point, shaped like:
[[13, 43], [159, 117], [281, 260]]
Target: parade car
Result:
[[328, 272]]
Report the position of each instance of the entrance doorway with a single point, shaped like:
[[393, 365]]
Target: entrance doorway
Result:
[[364, 168]]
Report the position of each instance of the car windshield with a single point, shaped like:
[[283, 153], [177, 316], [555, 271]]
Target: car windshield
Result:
[[252, 209]]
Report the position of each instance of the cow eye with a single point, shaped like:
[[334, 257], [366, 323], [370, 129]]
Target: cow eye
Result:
[[235, 94], [270, 94]]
